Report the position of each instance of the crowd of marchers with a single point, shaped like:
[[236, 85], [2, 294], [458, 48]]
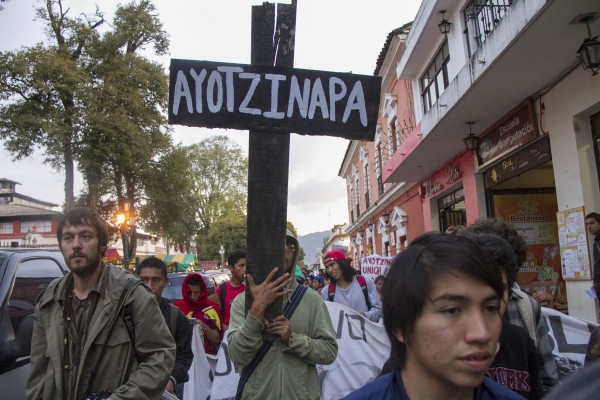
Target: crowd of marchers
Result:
[[458, 324]]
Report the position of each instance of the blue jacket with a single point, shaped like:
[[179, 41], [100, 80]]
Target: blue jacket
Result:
[[390, 387]]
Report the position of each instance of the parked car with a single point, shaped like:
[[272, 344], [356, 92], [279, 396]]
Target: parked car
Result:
[[173, 289], [24, 274]]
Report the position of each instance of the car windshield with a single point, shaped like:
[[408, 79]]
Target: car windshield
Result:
[[173, 290]]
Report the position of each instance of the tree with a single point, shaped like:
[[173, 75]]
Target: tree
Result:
[[41, 85], [220, 179], [219, 174], [229, 232]]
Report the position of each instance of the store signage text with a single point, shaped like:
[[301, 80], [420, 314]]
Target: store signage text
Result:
[[511, 132], [432, 187]]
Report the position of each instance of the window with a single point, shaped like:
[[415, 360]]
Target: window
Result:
[[6, 227], [379, 164], [36, 226], [435, 79], [393, 137]]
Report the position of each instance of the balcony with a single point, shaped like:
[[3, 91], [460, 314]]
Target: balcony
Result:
[[532, 45]]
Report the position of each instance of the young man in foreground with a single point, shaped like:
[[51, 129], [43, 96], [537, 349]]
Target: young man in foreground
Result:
[[441, 311], [81, 343]]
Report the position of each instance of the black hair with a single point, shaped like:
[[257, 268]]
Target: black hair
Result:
[[499, 250], [594, 215], [379, 278], [79, 216], [152, 262], [411, 273], [506, 231], [235, 256], [348, 271]]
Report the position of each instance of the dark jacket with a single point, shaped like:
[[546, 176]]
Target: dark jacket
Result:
[[515, 366], [154, 344], [391, 387], [183, 341]]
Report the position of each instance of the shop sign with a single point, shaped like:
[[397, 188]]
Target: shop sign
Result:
[[511, 132], [452, 198], [531, 156], [453, 174], [257, 97], [432, 187]]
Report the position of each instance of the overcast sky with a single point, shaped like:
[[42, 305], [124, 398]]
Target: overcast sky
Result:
[[331, 35]]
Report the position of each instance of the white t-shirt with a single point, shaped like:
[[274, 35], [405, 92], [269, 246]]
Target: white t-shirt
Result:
[[352, 296]]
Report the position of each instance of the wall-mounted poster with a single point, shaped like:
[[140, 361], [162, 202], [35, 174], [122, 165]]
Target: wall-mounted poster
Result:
[[534, 216], [574, 250]]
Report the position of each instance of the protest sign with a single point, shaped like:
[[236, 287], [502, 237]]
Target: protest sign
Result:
[[374, 265]]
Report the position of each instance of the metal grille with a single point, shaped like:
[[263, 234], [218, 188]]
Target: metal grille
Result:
[[482, 16]]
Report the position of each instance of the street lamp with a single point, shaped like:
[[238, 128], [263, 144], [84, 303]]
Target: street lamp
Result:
[[123, 223], [222, 253]]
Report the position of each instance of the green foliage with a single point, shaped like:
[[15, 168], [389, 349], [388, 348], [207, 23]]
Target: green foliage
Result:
[[229, 232]]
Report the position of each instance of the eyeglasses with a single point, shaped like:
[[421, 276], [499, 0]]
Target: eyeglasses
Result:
[[290, 247]]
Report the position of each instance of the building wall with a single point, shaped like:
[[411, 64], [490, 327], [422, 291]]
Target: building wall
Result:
[[566, 119]]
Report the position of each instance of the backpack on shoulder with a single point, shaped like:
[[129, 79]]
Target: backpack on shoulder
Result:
[[363, 285]]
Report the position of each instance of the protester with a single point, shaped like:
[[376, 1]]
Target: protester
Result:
[[227, 291], [95, 305], [195, 304], [515, 366], [153, 272], [522, 310], [441, 311], [592, 223], [379, 281], [347, 288], [317, 283], [287, 369]]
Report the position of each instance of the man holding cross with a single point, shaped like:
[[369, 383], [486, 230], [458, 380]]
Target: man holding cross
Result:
[[302, 339]]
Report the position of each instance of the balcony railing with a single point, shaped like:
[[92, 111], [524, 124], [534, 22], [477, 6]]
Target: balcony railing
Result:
[[482, 16]]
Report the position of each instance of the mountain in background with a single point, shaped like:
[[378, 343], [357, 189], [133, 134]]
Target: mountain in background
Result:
[[312, 245]]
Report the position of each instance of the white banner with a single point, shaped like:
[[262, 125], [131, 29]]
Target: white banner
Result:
[[363, 347], [199, 385], [570, 337], [374, 265]]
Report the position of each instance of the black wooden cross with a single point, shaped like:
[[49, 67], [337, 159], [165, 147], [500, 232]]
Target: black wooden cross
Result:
[[271, 99]]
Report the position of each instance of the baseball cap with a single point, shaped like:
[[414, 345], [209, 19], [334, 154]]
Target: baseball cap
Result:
[[334, 255]]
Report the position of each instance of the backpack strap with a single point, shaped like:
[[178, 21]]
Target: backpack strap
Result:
[[288, 311], [331, 291], [527, 310], [174, 311], [365, 289], [222, 294]]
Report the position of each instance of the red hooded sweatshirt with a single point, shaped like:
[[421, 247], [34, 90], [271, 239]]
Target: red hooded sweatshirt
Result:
[[202, 309]]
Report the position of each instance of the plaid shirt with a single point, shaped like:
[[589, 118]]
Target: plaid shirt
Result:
[[546, 363]]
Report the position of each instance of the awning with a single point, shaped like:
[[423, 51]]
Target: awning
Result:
[[111, 255], [183, 259]]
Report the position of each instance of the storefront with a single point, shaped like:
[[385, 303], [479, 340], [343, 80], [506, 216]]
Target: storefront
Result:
[[520, 189], [450, 195]]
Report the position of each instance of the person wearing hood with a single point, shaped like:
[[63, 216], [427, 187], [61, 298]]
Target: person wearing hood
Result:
[[195, 304], [288, 367]]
